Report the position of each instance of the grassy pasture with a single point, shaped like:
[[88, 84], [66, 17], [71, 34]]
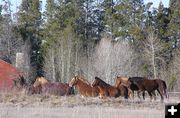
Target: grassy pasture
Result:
[[20, 105]]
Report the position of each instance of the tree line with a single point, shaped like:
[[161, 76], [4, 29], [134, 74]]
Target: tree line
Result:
[[102, 38]]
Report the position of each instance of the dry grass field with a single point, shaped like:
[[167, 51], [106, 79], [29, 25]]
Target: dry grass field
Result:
[[20, 105]]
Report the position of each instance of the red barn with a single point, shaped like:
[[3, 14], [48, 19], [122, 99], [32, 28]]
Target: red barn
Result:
[[8, 74]]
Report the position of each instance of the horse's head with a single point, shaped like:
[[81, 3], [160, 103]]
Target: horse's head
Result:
[[118, 81], [40, 81], [73, 81], [96, 81]]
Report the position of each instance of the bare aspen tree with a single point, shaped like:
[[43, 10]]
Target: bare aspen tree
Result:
[[112, 59], [49, 65], [52, 64], [62, 60], [176, 71], [152, 48]]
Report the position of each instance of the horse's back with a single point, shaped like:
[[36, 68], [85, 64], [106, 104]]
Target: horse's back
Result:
[[57, 88], [136, 78], [121, 80]]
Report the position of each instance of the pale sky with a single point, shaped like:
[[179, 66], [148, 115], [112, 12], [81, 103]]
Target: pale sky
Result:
[[16, 3], [156, 2]]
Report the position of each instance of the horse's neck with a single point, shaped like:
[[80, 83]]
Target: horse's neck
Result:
[[102, 83], [81, 84], [45, 82]]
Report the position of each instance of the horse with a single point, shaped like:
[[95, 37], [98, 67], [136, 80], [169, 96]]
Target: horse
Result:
[[144, 84], [134, 87], [106, 90], [84, 87], [33, 90], [123, 81], [44, 86]]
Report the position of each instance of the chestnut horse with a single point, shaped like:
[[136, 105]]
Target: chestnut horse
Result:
[[84, 87], [144, 84], [54, 88], [107, 90]]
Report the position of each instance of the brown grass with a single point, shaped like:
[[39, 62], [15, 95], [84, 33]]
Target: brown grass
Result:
[[21, 105]]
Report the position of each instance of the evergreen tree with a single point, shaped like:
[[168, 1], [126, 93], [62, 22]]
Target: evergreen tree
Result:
[[29, 21], [7, 40], [173, 26], [89, 24]]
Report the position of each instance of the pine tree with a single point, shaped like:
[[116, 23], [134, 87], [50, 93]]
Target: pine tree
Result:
[[123, 18], [89, 24], [8, 42], [173, 26], [29, 22]]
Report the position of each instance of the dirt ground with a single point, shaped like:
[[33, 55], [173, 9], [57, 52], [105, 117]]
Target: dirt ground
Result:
[[20, 105]]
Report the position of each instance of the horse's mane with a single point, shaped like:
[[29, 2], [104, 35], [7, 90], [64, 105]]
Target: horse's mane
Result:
[[83, 80], [136, 78], [102, 82]]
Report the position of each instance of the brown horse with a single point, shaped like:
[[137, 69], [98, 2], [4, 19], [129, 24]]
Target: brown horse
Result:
[[107, 90], [123, 81], [44, 86], [33, 90], [84, 87], [144, 84]]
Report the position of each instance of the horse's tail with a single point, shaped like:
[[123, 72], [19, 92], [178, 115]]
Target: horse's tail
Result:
[[165, 88]]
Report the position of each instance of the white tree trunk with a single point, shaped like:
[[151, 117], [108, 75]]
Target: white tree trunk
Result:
[[69, 58], [53, 65], [62, 62]]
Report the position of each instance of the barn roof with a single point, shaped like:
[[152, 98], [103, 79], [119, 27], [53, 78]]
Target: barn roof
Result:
[[8, 73]]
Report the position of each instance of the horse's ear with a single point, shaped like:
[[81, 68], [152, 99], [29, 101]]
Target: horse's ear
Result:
[[75, 78], [96, 77]]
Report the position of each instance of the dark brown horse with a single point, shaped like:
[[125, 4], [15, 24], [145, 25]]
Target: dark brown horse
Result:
[[107, 90], [134, 87], [144, 84], [84, 87], [44, 86]]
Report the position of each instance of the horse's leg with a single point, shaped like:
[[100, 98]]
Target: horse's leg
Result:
[[164, 89], [133, 94], [166, 94], [161, 94], [154, 94], [150, 95], [122, 91], [125, 92], [138, 92], [143, 95], [130, 93]]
